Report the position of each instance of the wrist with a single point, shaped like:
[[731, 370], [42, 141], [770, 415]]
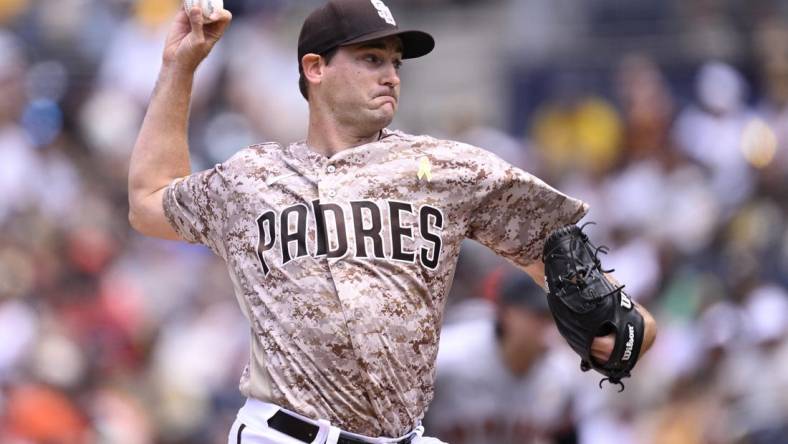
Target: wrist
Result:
[[172, 68]]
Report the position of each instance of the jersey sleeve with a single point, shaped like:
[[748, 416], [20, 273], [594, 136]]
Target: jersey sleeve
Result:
[[195, 205], [517, 211]]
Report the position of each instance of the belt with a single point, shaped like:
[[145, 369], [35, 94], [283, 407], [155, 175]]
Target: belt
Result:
[[307, 432]]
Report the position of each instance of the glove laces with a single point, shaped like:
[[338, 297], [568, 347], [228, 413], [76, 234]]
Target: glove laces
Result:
[[579, 275]]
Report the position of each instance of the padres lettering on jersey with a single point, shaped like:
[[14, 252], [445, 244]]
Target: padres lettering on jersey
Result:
[[274, 226], [342, 264]]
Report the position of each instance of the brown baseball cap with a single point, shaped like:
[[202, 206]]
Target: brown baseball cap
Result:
[[347, 22]]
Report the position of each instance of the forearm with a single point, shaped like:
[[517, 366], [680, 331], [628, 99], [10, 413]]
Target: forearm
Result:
[[161, 152], [650, 329]]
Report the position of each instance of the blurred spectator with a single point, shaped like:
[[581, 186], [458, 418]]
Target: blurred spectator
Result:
[[497, 380], [710, 131], [41, 414], [265, 87], [709, 30], [16, 147], [757, 386], [11, 9], [647, 107], [771, 47], [576, 131]]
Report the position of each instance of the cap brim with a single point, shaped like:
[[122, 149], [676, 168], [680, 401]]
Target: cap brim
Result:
[[414, 43]]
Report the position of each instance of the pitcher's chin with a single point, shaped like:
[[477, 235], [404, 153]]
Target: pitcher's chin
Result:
[[383, 116]]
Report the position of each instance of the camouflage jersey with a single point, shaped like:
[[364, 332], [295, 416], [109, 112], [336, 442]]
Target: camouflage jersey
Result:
[[342, 264]]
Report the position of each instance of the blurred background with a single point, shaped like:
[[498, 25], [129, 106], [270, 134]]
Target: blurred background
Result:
[[669, 117]]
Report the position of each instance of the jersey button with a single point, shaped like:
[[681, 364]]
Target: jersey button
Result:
[[332, 193], [331, 168]]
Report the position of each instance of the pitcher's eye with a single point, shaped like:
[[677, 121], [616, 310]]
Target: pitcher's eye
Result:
[[372, 58]]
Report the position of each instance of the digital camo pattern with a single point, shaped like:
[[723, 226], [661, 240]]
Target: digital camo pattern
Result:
[[336, 335]]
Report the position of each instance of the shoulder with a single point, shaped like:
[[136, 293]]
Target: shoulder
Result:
[[431, 143], [253, 158], [263, 150], [452, 153]]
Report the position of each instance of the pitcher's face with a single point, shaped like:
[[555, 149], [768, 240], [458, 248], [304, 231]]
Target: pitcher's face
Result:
[[361, 84]]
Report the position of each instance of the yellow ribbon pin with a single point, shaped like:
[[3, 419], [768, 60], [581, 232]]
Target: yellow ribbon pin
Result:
[[425, 169]]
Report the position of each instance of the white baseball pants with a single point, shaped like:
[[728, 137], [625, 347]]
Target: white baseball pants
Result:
[[251, 427]]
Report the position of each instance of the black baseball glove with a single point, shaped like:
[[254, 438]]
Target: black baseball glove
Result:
[[586, 304]]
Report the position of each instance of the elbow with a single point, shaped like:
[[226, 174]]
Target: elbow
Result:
[[135, 206], [147, 217], [137, 213], [141, 210], [135, 220]]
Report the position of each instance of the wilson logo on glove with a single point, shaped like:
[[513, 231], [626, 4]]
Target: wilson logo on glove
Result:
[[625, 301], [630, 343]]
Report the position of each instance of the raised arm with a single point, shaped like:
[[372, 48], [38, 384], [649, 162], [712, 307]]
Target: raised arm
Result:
[[161, 153]]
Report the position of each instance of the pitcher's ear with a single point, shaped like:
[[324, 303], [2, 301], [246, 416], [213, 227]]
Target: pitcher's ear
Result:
[[312, 65]]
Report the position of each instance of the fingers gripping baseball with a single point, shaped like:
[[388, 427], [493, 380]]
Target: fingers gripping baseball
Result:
[[192, 37]]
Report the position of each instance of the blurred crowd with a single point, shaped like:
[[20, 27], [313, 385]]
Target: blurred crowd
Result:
[[669, 118]]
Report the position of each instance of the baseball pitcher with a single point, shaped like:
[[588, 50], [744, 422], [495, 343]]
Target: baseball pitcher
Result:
[[342, 247]]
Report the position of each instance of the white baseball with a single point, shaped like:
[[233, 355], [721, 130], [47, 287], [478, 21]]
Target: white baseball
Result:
[[208, 6]]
